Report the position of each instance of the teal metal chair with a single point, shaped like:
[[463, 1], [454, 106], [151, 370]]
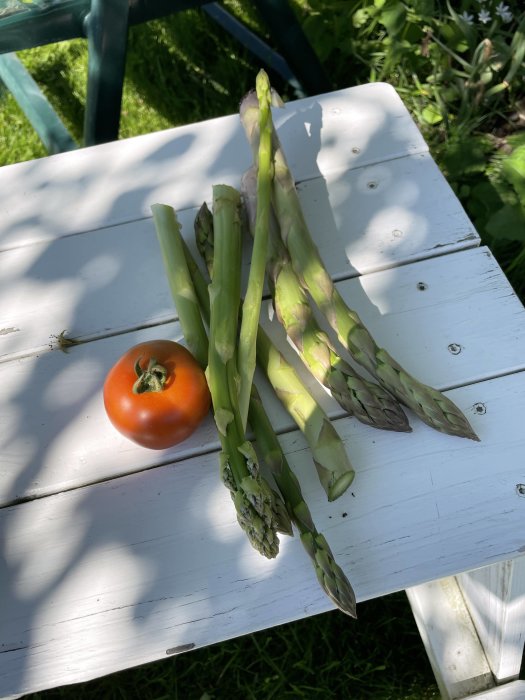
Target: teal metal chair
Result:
[[104, 24]]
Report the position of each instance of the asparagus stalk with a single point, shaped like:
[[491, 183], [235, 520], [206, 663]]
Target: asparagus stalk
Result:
[[170, 240], [251, 308], [257, 507], [429, 404], [260, 510], [330, 575], [333, 466], [331, 460], [367, 401]]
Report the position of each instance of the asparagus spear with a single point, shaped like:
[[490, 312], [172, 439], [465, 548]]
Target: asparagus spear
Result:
[[257, 509], [260, 510], [429, 404], [367, 401], [251, 308], [333, 466], [203, 229], [329, 573], [181, 286]]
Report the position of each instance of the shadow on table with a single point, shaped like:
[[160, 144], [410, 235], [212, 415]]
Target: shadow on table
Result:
[[107, 554]]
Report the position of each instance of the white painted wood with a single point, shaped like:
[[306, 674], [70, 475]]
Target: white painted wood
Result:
[[509, 691], [114, 278], [117, 182], [384, 215], [55, 434], [448, 633], [150, 561], [496, 599], [115, 574]]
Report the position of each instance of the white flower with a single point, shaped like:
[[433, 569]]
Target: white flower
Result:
[[504, 12], [467, 18], [484, 16]]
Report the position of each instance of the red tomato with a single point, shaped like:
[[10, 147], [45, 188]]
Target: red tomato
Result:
[[166, 403]]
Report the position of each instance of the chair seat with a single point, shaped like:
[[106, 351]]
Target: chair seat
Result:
[[25, 25]]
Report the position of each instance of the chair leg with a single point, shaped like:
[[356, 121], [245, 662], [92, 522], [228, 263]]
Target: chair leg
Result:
[[107, 34], [292, 43], [260, 49], [34, 104]]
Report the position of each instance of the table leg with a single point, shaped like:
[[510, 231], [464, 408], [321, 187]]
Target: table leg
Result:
[[473, 628], [451, 642], [495, 596]]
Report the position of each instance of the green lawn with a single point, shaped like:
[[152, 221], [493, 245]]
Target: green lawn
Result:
[[185, 69]]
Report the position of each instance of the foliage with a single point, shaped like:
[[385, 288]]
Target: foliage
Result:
[[451, 68], [461, 72]]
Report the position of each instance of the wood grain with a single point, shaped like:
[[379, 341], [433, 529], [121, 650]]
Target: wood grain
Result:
[[112, 555], [116, 573], [56, 435], [117, 182]]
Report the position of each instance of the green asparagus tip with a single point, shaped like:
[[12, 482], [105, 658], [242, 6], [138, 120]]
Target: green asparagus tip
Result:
[[262, 82]]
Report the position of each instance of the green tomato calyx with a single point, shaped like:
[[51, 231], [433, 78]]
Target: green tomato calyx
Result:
[[153, 378]]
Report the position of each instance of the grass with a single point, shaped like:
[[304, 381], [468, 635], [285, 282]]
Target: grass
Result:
[[184, 69]]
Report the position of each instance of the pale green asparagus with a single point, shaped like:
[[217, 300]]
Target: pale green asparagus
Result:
[[260, 510], [330, 457], [366, 400], [251, 307], [429, 404], [330, 575], [254, 500], [170, 240]]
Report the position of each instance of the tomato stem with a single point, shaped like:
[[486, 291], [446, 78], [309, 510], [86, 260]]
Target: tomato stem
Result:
[[152, 378]]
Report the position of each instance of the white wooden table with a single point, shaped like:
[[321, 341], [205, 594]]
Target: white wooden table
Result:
[[113, 555]]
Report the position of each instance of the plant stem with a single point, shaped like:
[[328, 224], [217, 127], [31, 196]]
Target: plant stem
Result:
[[330, 575], [258, 510]]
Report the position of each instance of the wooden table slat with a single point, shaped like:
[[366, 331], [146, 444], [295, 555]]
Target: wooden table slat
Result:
[[152, 561], [114, 279], [56, 435], [117, 182]]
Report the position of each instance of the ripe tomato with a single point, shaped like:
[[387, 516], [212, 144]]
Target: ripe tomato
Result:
[[156, 394]]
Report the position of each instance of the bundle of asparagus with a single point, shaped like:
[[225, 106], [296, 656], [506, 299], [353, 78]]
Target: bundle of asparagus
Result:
[[260, 510], [366, 400], [188, 284], [284, 248], [430, 405], [333, 466]]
